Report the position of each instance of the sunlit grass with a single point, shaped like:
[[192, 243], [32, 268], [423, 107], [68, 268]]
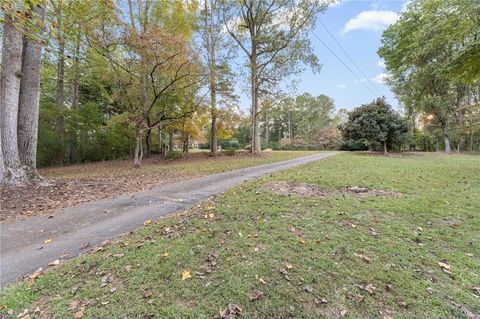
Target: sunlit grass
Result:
[[309, 257]]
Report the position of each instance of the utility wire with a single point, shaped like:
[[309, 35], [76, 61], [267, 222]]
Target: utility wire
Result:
[[346, 66], [348, 55]]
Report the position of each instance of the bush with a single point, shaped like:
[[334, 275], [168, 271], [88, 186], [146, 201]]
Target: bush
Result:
[[174, 155]]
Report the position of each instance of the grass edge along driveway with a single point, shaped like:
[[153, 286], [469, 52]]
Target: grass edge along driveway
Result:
[[409, 250]]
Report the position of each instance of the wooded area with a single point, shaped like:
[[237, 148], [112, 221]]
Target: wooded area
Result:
[[132, 77], [86, 80]]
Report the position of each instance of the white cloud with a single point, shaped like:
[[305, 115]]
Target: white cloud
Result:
[[380, 78], [381, 64], [341, 86], [371, 20]]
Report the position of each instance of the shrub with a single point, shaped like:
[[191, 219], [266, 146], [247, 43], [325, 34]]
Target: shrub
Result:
[[174, 155]]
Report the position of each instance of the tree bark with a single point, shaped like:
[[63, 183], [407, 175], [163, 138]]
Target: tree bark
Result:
[[138, 150], [385, 151], [28, 109], [60, 89], [255, 134], [211, 44], [266, 128], [11, 74], [446, 140], [148, 141], [76, 75], [170, 142]]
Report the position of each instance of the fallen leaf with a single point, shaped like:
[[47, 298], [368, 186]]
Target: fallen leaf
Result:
[[47, 241], [368, 288], [148, 293], [128, 268], [288, 265], [73, 305], [387, 317], [257, 295], [230, 312], [343, 313], [262, 281], [186, 274], [78, 314], [118, 255], [54, 263], [147, 222], [36, 273], [444, 265], [165, 254], [363, 257], [308, 289]]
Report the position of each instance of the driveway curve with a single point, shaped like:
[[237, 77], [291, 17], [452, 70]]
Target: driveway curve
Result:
[[32, 243]]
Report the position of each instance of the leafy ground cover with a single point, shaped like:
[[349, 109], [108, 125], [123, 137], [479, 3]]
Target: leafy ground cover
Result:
[[374, 237], [73, 184]]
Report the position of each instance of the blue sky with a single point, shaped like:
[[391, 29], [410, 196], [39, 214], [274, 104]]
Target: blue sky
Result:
[[357, 26]]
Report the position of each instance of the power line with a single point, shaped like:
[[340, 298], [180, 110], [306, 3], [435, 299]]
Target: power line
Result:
[[348, 55], [346, 66]]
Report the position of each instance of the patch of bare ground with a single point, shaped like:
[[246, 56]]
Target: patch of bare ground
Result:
[[302, 189], [74, 184]]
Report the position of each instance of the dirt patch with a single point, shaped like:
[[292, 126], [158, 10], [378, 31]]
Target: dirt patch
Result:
[[292, 188], [302, 189]]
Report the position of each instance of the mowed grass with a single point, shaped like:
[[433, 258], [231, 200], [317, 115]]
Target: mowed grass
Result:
[[278, 256]]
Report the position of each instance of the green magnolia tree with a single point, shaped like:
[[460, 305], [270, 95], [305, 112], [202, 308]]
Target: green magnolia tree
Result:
[[376, 125]]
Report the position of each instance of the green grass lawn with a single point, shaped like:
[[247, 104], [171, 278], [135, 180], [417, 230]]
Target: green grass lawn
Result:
[[199, 163], [413, 255]]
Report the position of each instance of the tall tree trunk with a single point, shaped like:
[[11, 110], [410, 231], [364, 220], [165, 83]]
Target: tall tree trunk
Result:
[[385, 151], [11, 74], [137, 159], [170, 142], [60, 89], [160, 139], [255, 134], [148, 141], [76, 71], [446, 140], [471, 140], [211, 43], [266, 128], [28, 109], [73, 138]]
